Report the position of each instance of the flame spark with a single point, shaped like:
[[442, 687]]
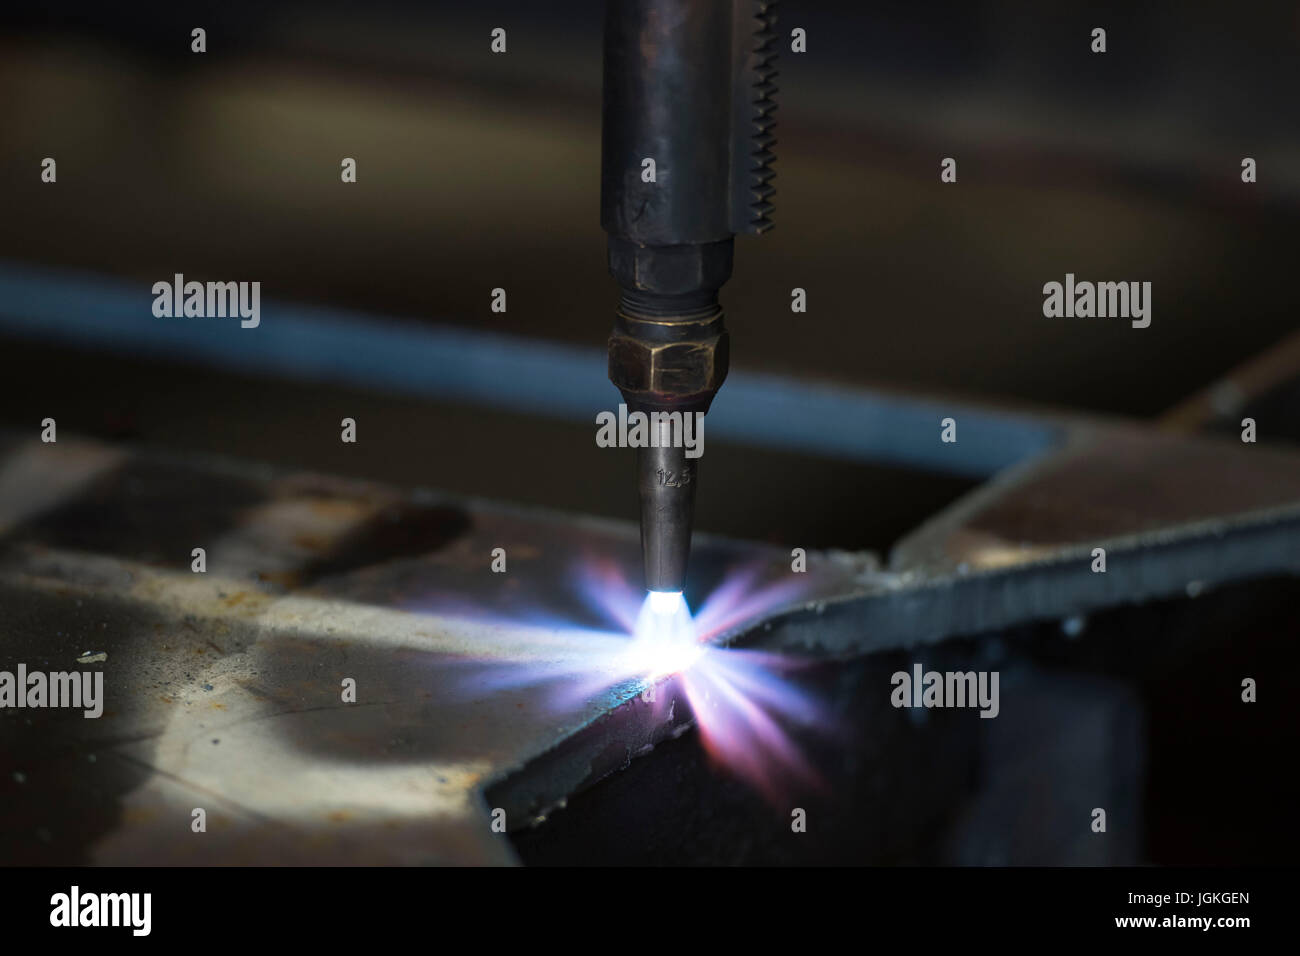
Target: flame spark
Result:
[[741, 699]]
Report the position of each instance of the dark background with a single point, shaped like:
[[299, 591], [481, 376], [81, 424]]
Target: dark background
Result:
[[478, 170]]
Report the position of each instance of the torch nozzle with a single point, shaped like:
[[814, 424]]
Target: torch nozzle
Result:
[[666, 482]]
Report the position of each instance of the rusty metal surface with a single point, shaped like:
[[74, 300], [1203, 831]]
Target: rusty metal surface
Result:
[[224, 688], [1175, 516], [1227, 398], [1106, 485]]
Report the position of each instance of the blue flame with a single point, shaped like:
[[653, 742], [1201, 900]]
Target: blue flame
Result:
[[741, 699]]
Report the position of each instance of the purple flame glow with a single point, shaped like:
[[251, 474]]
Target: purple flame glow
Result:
[[741, 699]]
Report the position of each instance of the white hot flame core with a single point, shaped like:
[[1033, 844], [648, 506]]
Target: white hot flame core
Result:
[[665, 602], [665, 641]]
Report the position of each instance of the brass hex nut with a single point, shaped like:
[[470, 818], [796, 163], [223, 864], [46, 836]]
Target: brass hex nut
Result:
[[668, 371]]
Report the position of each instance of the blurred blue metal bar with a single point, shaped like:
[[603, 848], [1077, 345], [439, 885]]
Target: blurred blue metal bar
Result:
[[520, 375]]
